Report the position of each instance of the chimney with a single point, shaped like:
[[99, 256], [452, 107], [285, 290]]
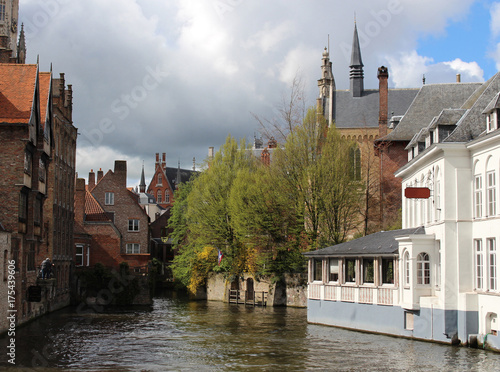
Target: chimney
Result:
[[91, 180], [80, 200], [163, 161], [458, 78], [157, 158], [99, 174], [383, 76], [121, 172]]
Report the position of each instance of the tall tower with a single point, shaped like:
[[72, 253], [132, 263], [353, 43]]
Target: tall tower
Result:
[[326, 88], [9, 15], [356, 74]]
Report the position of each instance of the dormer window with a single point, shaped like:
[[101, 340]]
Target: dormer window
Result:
[[492, 120]]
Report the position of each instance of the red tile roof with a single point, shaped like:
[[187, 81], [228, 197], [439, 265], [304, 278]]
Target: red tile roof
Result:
[[44, 87], [17, 86], [93, 210]]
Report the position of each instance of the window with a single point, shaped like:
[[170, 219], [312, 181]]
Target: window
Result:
[[23, 206], [423, 269], [133, 248], [28, 162], [167, 196], [79, 255], [318, 272], [491, 193], [355, 160], [41, 171], [387, 271], [350, 270], [368, 272], [407, 268], [492, 264], [478, 196], [478, 248], [2, 10], [334, 270], [158, 196], [37, 212], [437, 198], [109, 198], [133, 225]]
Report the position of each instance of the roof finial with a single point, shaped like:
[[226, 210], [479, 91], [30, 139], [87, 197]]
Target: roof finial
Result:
[[354, 17], [423, 79], [142, 185]]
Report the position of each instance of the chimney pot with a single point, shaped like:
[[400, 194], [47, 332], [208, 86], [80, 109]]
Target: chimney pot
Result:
[[458, 78], [91, 179]]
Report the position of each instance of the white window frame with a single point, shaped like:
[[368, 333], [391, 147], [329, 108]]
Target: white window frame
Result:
[[158, 196], [331, 270], [109, 198], [406, 262], [133, 248], [423, 269], [491, 193], [437, 199], [478, 196], [492, 264], [133, 225], [79, 255], [479, 264]]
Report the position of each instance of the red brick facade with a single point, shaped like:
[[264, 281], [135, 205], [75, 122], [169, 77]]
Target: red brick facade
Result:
[[111, 216]]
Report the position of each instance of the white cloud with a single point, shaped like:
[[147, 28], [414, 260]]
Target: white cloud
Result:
[[495, 19], [269, 37], [409, 68]]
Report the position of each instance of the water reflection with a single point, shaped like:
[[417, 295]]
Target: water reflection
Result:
[[211, 336]]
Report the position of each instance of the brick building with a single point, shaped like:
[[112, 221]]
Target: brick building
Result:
[[28, 136], [362, 115], [110, 225], [166, 180]]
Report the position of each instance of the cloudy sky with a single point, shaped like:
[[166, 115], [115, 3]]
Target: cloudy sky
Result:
[[178, 76]]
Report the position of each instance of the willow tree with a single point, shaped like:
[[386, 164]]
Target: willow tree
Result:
[[315, 164], [208, 220], [267, 221]]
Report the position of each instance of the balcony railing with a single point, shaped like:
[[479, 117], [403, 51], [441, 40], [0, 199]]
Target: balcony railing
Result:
[[357, 294]]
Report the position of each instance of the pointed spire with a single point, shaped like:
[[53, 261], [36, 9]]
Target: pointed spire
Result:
[[356, 74], [21, 47], [178, 178], [142, 185]]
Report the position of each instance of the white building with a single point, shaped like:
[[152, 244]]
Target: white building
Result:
[[437, 279]]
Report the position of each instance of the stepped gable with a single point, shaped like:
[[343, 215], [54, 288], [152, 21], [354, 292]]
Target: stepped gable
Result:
[[428, 103], [382, 242], [473, 123]]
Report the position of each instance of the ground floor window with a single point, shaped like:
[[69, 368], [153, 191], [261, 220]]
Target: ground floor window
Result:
[[133, 248], [350, 270], [334, 270], [478, 248], [318, 272], [368, 272], [492, 264], [387, 271]]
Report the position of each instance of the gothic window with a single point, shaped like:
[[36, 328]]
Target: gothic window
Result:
[[167, 196], [355, 162], [158, 196], [423, 269]]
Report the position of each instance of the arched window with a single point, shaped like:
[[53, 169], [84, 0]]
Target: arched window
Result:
[[355, 160], [406, 262], [423, 269], [158, 197]]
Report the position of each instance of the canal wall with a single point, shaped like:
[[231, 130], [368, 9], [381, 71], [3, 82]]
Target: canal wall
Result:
[[291, 290]]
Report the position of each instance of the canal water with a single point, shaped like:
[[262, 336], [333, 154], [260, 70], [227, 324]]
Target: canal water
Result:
[[181, 335]]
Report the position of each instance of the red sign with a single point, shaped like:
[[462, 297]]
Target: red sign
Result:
[[417, 192]]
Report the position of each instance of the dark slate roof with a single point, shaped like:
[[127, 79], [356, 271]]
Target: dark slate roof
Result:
[[380, 243], [356, 50], [428, 103], [359, 112], [171, 174], [447, 117], [494, 104], [473, 122]]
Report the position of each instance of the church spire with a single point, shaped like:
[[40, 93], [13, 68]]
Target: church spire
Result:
[[21, 47], [356, 74], [142, 185]]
